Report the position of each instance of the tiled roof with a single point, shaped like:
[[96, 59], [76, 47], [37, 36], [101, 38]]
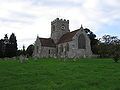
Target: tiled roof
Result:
[[47, 42], [67, 37]]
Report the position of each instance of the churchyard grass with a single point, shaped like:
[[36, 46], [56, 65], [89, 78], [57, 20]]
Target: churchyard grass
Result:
[[59, 74]]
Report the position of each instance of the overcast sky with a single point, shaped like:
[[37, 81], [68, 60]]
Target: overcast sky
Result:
[[29, 18]]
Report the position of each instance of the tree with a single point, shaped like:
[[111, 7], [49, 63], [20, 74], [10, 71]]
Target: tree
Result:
[[109, 47], [8, 47], [29, 50], [12, 45], [1, 48], [5, 47], [23, 51], [116, 53], [90, 33], [93, 40], [19, 52], [107, 39]]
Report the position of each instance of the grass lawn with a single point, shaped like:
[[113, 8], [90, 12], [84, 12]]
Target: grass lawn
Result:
[[53, 74]]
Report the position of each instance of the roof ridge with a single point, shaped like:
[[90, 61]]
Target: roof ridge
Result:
[[44, 38]]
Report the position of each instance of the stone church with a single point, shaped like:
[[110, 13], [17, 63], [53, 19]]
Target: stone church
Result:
[[63, 43]]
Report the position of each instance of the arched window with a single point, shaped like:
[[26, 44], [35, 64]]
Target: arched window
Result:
[[67, 47], [61, 48], [81, 42]]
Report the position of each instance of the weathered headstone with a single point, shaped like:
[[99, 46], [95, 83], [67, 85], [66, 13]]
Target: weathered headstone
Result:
[[23, 59]]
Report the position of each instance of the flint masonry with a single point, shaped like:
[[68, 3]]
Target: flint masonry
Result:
[[63, 43]]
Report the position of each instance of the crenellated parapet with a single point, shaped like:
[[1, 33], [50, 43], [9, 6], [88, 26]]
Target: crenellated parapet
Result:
[[59, 27], [60, 20]]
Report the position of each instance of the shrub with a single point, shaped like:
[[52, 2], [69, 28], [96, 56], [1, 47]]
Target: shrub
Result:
[[116, 58]]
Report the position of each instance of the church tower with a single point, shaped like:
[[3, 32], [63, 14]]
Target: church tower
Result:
[[59, 27]]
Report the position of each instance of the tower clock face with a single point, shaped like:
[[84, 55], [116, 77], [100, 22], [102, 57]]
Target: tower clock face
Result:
[[63, 27]]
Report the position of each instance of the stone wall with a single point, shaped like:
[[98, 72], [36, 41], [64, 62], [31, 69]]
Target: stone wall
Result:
[[82, 52], [57, 31], [74, 52], [47, 52], [37, 48]]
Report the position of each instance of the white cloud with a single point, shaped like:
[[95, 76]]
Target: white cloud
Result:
[[27, 18]]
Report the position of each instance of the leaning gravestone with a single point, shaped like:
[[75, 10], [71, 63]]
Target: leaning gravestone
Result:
[[23, 59]]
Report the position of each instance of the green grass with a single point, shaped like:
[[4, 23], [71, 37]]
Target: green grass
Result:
[[53, 74]]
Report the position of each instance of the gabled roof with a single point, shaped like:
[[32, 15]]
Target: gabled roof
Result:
[[47, 42], [67, 37]]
